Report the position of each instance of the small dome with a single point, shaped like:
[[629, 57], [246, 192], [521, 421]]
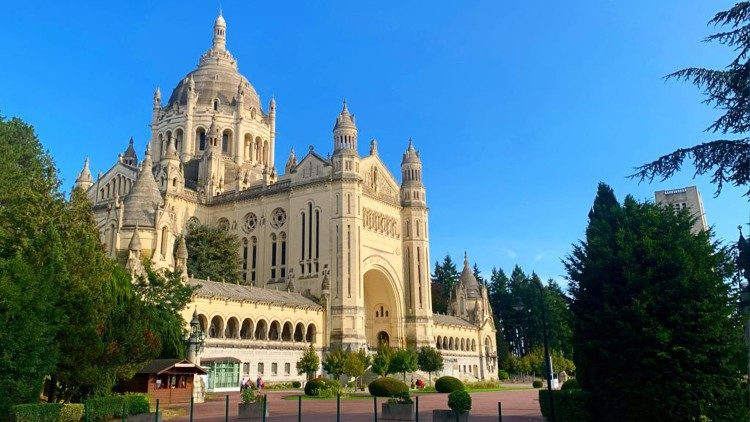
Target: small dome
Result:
[[220, 20], [411, 155], [468, 281]]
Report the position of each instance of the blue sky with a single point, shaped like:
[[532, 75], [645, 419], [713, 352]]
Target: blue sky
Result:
[[518, 108]]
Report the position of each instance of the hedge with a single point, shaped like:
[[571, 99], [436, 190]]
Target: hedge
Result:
[[537, 384], [48, 412], [106, 408], [570, 405], [387, 387], [448, 384], [571, 384]]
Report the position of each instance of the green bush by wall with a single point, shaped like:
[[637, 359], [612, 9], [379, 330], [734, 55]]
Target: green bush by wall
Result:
[[387, 387], [48, 412], [448, 384]]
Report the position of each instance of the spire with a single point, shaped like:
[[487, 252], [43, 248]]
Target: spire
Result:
[[345, 130], [374, 147], [157, 98], [135, 241], [467, 279], [220, 33], [411, 155], [84, 180], [144, 198], [291, 162]]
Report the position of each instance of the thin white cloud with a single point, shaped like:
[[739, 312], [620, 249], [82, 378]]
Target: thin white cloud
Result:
[[538, 257], [510, 253]]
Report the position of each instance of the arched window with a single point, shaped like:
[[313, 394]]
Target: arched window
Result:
[[286, 332], [232, 328], [248, 147], [164, 240], [217, 327], [226, 141], [200, 135], [283, 254], [317, 240], [439, 344], [299, 332], [178, 140], [302, 265], [244, 258], [261, 330], [246, 332], [311, 333], [253, 259], [216, 105], [273, 332], [384, 339], [273, 255]]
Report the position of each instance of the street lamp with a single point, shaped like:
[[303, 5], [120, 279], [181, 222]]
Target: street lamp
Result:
[[518, 306], [195, 340]]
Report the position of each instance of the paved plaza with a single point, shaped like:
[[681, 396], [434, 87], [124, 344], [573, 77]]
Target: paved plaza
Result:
[[518, 406]]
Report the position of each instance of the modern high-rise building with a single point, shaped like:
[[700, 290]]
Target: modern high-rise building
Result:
[[683, 198]]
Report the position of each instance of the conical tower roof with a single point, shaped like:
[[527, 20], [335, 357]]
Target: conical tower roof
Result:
[[141, 202], [84, 177], [135, 241], [467, 279], [182, 252]]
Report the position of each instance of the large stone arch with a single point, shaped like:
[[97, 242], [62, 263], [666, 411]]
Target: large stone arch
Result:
[[383, 301]]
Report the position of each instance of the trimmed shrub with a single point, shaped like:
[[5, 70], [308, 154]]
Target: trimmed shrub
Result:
[[108, 407], [72, 412], [296, 384], [137, 404], [312, 388], [448, 384], [459, 401], [42, 412], [571, 384], [537, 384], [570, 405], [503, 375], [387, 387]]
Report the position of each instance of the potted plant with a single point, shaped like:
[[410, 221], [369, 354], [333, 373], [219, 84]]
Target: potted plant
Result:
[[252, 404], [460, 403], [399, 407]]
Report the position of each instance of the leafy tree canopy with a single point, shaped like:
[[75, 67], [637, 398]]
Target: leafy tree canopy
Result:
[[213, 254], [309, 363]]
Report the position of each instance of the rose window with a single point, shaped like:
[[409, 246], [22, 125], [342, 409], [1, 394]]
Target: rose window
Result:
[[251, 222], [278, 218]]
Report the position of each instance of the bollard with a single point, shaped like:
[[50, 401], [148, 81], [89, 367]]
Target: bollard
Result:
[[226, 409], [265, 406], [338, 407], [299, 408], [375, 407], [191, 407], [499, 412], [416, 415], [156, 415]]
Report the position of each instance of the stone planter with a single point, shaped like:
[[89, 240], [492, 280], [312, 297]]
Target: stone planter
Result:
[[398, 412], [448, 416], [145, 417], [251, 411]]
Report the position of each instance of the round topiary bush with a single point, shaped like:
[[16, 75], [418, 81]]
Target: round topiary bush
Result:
[[571, 384], [312, 388], [387, 387], [503, 375], [459, 401], [296, 384], [448, 384], [537, 384]]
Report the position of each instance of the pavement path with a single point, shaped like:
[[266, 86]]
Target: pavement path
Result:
[[518, 406]]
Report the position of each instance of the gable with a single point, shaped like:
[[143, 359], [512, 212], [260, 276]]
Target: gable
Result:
[[378, 181]]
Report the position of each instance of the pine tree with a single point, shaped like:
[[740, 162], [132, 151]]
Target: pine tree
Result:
[[655, 337], [729, 90]]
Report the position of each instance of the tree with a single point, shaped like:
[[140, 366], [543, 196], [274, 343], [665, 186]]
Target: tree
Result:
[[356, 363], [429, 360], [381, 362], [478, 274], [334, 363], [728, 90], [309, 363], [213, 253], [30, 254], [403, 360], [444, 279], [653, 314]]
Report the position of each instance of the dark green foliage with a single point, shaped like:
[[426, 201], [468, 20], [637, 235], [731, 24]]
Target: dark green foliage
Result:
[[403, 360], [459, 401], [571, 384], [570, 405], [429, 360], [334, 363], [656, 332], [108, 407], [444, 279], [503, 375], [727, 90], [312, 388], [43, 412], [448, 384], [537, 384], [387, 387], [213, 254], [296, 384]]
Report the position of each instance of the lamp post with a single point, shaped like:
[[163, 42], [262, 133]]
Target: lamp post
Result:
[[518, 307], [195, 340]]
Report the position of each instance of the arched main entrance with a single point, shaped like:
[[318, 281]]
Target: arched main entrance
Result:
[[382, 311]]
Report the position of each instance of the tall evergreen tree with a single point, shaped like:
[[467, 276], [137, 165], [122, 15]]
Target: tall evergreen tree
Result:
[[727, 89], [444, 278], [656, 337], [213, 254]]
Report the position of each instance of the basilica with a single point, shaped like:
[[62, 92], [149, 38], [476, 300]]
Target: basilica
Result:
[[334, 247]]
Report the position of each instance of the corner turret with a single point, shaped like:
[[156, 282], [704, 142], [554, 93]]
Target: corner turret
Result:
[[84, 180], [345, 132]]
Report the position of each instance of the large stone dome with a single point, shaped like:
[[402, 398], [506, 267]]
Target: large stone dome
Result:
[[217, 78]]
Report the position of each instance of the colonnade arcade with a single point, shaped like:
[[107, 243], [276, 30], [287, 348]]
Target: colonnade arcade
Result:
[[259, 329]]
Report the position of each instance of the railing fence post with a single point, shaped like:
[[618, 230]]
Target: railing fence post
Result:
[[299, 408], [416, 414], [375, 407], [338, 407], [226, 409], [499, 412], [156, 416], [265, 406]]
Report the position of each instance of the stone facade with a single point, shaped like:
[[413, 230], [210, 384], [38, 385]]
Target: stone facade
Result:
[[335, 250], [685, 198]]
